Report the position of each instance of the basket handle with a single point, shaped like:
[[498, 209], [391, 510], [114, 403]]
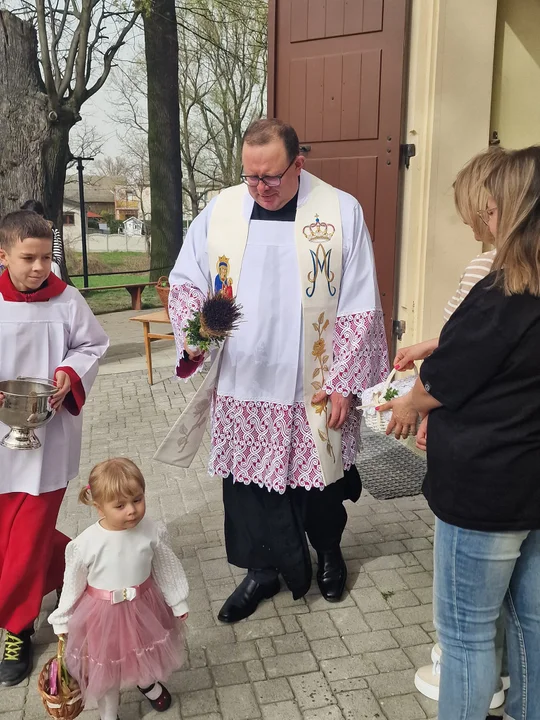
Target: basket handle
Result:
[[163, 277], [62, 670], [385, 387]]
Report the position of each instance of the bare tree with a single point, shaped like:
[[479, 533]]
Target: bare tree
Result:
[[222, 88], [86, 140], [232, 36], [112, 167], [164, 157], [42, 90]]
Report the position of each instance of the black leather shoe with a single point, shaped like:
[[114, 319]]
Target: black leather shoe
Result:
[[245, 599], [331, 574], [16, 662], [161, 703]]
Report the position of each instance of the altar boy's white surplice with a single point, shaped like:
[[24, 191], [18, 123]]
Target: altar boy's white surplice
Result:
[[260, 431], [37, 338]]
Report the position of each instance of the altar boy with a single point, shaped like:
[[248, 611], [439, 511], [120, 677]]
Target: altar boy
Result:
[[46, 331]]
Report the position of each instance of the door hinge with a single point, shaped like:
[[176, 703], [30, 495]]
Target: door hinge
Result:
[[305, 149], [398, 328], [407, 151]]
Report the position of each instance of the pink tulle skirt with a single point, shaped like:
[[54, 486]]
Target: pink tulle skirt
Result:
[[120, 646]]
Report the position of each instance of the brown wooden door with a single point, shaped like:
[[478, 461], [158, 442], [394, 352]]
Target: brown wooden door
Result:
[[336, 74]]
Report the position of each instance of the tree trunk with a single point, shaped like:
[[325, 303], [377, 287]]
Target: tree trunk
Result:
[[161, 49], [34, 140]]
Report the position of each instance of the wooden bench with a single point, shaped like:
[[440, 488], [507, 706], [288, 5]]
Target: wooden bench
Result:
[[134, 289], [158, 317]]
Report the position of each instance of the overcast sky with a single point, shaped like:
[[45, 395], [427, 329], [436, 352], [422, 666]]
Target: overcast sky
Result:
[[97, 111]]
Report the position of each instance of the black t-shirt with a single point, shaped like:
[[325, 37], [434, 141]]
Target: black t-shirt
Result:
[[285, 214], [483, 445]]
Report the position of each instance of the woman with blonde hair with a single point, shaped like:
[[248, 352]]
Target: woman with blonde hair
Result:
[[481, 388], [470, 197]]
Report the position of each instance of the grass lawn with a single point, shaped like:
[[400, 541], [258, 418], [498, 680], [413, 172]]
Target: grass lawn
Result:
[[104, 301], [113, 260]]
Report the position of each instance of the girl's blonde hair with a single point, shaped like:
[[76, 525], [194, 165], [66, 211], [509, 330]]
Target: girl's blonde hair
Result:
[[470, 194], [112, 479], [514, 186]]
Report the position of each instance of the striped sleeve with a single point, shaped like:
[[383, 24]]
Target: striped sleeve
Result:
[[475, 271], [58, 248]]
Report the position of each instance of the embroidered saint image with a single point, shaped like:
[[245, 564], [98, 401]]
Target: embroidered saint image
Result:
[[223, 283]]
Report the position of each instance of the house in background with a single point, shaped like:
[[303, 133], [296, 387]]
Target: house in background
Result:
[[132, 201], [71, 216], [98, 192], [133, 226]]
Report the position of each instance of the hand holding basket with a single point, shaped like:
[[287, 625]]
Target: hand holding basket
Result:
[[377, 395], [59, 692]]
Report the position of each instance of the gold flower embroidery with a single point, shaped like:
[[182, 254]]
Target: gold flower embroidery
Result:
[[321, 357], [319, 407], [319, 348]]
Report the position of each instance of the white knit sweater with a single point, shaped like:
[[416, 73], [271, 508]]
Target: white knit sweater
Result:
[[113, 560]]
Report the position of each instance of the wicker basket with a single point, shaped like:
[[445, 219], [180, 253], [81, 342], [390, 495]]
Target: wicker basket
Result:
[[377, 421], [163, 293], [64, 706]]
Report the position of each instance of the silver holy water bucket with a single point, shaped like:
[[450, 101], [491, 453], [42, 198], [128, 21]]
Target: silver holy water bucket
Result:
[[26, 406]]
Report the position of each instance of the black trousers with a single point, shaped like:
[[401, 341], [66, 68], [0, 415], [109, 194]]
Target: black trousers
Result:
[[265, 532]]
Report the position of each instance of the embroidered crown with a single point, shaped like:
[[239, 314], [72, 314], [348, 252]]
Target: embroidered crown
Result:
[[223, 260], [319, 231]]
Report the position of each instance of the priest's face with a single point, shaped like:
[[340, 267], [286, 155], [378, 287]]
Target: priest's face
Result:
[[28, 262], [270, 161]]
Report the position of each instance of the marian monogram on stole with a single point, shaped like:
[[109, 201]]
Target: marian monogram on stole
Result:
[[320, 233]]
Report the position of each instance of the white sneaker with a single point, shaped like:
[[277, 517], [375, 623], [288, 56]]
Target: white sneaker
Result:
[[427, 680], [436, 657]]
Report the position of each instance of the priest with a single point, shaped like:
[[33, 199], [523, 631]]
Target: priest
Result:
[[281, 391]]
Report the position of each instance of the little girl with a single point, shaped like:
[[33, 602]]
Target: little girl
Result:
[[124, 589]]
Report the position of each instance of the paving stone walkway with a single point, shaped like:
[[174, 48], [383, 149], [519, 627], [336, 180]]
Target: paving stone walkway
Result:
[[303, 660]]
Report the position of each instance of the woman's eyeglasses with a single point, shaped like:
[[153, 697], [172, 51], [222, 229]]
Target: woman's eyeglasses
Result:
[[484, 215]]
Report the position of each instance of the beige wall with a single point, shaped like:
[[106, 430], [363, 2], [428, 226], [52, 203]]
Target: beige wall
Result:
[[516, 79], [448, 118]]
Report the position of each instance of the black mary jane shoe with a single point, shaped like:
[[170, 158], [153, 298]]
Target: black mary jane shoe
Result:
[[161, 703], [331, 574], [246, 598]]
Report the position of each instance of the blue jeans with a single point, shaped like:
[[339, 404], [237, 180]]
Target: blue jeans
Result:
[[475, 573]]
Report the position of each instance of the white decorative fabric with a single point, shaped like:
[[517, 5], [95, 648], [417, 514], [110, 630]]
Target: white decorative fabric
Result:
[[35, 339], [184, 302], [271, 445], [263, 363], [359, 345], [371, 397], [112, 560]]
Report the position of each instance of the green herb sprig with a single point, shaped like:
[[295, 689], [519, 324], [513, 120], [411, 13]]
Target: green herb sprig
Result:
[[390, 394]]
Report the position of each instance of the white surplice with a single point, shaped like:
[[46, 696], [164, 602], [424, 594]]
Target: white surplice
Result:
[[260, 431], [36, 338]]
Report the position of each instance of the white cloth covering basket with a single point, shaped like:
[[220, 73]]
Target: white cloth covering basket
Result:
[[373, 397]]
